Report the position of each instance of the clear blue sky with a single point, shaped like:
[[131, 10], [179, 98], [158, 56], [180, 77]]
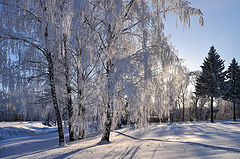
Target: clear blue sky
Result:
[[221, 29]]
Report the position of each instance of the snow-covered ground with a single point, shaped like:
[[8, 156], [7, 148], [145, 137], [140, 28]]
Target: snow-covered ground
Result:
[[13, 129], [190, 140]]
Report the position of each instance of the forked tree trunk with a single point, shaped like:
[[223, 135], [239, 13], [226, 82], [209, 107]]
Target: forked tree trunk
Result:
[[212, 110], [81, 108], [69, 106], [69, 91], [54, 99]]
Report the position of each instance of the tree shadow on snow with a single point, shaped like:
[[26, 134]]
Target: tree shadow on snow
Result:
[[190, 143], [28, 145], [31, 147], [127, 153], [132, 152], [75, 151]]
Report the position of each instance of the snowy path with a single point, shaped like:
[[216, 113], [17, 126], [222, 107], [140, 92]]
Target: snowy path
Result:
[[220, 140]]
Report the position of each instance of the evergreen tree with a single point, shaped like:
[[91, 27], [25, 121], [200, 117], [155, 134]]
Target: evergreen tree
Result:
[[233, 77], [210, 83]]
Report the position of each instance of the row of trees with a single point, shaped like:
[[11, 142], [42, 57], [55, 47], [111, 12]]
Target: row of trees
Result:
[[214, 82], [94, 63]]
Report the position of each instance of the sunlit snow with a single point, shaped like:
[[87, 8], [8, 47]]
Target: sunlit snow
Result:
[[189, 140]]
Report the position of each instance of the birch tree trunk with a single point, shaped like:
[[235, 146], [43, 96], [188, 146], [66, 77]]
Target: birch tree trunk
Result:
[[108, 104], [69, 91], [51, 69], [54, 99], [81, 107], [183, 98]]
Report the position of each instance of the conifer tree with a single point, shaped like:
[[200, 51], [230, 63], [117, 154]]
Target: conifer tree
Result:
[[233, 83], [210, 83]]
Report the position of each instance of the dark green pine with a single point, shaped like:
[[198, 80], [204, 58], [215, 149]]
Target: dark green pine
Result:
[[233, 83], [210, 83]]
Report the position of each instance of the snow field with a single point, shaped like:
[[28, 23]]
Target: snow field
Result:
[[220, 140]]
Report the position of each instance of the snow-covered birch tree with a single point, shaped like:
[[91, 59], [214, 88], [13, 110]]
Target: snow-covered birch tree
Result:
[[137, 20], [38, 24], [99, 57]]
